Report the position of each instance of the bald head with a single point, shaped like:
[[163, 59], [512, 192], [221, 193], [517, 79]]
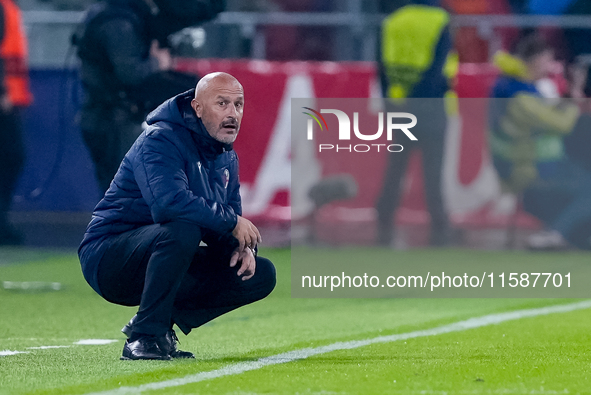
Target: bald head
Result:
[[213, 81], [219, 102]]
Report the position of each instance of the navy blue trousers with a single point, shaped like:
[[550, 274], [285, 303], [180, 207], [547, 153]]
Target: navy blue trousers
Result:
[[162, 268]]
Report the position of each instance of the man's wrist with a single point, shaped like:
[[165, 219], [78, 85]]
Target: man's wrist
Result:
[[253, 250]]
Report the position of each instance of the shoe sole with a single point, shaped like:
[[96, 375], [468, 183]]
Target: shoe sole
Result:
[[171, 358], [179, 357], [144, 359]]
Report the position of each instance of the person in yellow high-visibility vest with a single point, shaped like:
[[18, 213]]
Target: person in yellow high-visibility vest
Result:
[[416, 66]]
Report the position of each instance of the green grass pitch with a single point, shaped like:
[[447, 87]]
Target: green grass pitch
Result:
[[540, 355]]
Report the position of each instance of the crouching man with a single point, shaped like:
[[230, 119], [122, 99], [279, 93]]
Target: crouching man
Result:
[[177, 187]]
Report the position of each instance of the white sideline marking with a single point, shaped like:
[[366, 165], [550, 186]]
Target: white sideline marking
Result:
[[94, 342], [83, 342], [46, 347], [241, 367], [8, 352]]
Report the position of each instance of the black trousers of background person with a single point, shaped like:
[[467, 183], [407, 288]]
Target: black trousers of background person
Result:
[[162, 269], [12, 159], [430, 133], [108, 132]]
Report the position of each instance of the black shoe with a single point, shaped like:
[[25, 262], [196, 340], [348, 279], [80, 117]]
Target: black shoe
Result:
[[145, 347], [169, 342]]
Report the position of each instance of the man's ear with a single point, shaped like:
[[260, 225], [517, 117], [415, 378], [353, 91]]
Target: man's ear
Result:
[[197, 107]]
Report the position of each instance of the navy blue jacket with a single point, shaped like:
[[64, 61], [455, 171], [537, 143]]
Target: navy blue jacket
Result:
[[175, 171]]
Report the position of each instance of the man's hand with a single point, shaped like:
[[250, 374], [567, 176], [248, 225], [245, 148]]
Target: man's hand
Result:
[[246, 233], [248, 266]]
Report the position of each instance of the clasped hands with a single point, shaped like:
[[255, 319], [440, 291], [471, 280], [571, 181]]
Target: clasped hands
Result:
[[248, 236]]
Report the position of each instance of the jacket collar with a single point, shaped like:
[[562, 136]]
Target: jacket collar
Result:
[[210, 146]]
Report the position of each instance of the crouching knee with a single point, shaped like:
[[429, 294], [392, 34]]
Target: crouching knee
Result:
[[182, 236], [267, 276]]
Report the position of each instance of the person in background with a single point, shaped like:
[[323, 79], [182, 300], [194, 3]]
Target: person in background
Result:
[[578, 43], [14, 95], [526, 142], [123, 47], [416, 63]]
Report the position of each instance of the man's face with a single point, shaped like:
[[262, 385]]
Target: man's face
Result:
[[220, 107]]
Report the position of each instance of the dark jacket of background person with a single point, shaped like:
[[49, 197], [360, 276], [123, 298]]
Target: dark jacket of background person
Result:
[[114, 50], [114, 44], [174, 153], [14, 94], [119, 75], [527, 131]]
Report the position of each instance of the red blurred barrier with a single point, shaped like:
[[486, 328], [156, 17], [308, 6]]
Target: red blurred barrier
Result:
[[470, 185]]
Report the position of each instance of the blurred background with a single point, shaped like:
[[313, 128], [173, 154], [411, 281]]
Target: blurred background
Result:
[[283, 49]]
